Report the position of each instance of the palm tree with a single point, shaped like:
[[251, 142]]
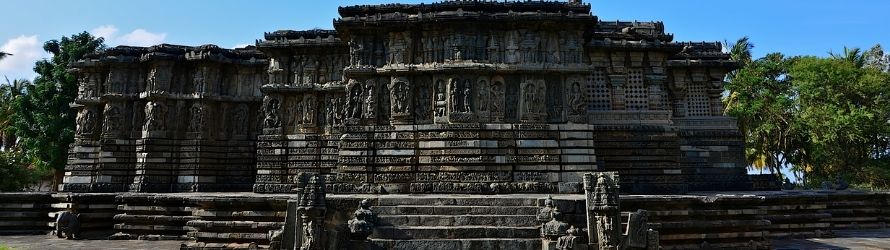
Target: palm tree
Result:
[[854, 56], [8, 93], [740, 52]]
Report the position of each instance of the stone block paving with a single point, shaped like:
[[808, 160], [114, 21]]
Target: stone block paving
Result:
[[848, 239], [40, 242]]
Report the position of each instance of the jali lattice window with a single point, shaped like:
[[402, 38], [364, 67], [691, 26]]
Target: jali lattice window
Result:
[[599, 95], [697, 103], [636, 94]]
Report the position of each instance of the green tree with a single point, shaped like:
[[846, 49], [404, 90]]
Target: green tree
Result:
[[764, 105], [8, 94], [42, 119], [846, 109], [14, 172], [740, 52]]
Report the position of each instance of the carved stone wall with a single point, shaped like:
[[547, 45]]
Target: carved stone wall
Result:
[[450, 97], [165, 118]]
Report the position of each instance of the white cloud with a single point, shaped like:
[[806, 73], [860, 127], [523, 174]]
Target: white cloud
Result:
[[240, 45], [137, 37], [105, 31], [25, 51], [141, 37]]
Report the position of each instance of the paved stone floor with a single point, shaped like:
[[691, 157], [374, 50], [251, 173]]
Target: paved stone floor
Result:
[[860, 239], [40, 242], [863, 239]]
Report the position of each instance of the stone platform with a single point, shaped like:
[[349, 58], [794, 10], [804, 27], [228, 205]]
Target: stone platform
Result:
[[733, 220]]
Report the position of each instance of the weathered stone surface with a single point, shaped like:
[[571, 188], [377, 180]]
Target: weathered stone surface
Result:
[[390, 102]]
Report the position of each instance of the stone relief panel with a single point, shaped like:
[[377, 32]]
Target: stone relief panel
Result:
[[86, 122], [271, 106], [198, 118], [401, 99], [160, 78], [155, 116], [424, 100]]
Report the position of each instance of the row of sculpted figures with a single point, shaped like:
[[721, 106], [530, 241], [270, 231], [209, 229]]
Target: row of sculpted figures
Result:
[[517, 46], [195, 118], [427, 99], [306, 68], [165, 78]]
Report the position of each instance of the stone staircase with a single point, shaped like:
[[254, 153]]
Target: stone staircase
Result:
[[480, 222]]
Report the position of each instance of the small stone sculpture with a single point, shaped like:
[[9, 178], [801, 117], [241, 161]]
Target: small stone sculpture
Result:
[[363, 224], [554, 228], [545, 214], [67, 225], [567, 241]]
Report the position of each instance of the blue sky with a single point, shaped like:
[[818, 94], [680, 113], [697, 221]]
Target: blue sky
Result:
[[793, 27]]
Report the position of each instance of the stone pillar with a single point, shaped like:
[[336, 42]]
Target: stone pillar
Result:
[[678, 92], [617, 82], [603, 211]]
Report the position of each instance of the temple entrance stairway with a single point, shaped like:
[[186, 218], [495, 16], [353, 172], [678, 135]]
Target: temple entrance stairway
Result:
[[461, 222]]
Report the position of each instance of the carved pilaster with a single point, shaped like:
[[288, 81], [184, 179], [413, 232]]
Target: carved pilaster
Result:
[[678, 92], [618, 97], [401, 96]]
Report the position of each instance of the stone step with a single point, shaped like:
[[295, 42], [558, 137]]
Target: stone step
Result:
[[146, 219], [234, 226], [230, 237], [164, 228], [458, 220], [454, 210], [458, 232], [460, 244], [457, 201], [710, 224]]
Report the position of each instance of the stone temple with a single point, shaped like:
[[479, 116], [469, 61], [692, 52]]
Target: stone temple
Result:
[[474, 97]]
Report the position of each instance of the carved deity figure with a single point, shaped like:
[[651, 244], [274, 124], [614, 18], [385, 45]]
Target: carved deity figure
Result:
[[155, 112], [239, 121], [276, 73], [530, 97], [356, 52], [371, 101], [423, 108], [497, 104], [355, 99], [270, 110], [310, 65], [467, 95], [484, 97], [309, 107], [86, 122], [200, 80], [440, 98], [453, 95], [112, 115], [198, 118], [576, 99], [296, 111]]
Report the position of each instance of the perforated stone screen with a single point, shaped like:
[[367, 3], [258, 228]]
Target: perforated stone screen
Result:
[[697, 100], [598, 92], [636, 94]]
